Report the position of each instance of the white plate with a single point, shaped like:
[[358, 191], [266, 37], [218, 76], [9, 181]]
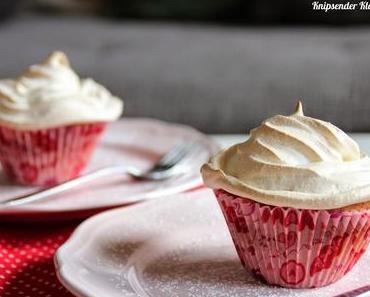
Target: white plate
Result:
[[134, 142], [175, 246]]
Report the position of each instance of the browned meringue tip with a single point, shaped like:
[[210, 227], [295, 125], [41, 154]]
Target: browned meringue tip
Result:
[[57, 58], [299, 108]]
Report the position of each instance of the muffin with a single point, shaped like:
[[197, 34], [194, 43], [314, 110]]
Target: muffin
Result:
[[296, 199], [50, 122]]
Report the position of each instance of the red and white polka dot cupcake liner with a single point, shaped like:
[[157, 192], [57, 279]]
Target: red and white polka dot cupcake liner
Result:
[[295, 248], [47, 156]]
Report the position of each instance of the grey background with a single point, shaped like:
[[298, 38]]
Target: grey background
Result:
[[219, 79]]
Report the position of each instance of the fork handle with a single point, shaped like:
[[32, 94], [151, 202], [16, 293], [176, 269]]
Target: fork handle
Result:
[[65, 186]]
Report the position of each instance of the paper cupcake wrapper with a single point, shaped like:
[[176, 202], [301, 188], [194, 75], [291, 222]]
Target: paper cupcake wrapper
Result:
[[293, 247], [47, 156]]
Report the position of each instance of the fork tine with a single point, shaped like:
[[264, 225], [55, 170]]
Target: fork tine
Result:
[[187, 154], [175, 161], [196, 148], [169, 155], [181, 154], [174, 155]]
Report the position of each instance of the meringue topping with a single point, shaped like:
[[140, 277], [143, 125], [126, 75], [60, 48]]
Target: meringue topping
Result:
[[293, 161], [51, 94]]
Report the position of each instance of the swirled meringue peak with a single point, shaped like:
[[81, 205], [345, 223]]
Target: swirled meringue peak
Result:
[[293, 161], [51, 94]]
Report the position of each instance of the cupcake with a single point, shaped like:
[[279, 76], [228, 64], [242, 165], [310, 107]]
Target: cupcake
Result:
[[296, 199], [50, 122]]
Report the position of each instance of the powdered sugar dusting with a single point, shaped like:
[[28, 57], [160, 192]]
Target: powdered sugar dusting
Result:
[[177, 246]]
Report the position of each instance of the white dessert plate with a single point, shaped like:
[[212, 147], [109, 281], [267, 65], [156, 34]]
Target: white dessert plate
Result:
[[175, 246], [134, 142]]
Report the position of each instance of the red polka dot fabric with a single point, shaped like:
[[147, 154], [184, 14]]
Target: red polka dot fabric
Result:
[[26, 260], [26, 257]]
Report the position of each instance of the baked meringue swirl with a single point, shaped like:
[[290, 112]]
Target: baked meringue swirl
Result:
[[51, 94], [294, 161]]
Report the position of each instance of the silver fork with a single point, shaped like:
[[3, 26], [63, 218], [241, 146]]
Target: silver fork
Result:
[[175, 162]]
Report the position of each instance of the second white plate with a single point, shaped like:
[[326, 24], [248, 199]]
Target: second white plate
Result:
[[131, 142]]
